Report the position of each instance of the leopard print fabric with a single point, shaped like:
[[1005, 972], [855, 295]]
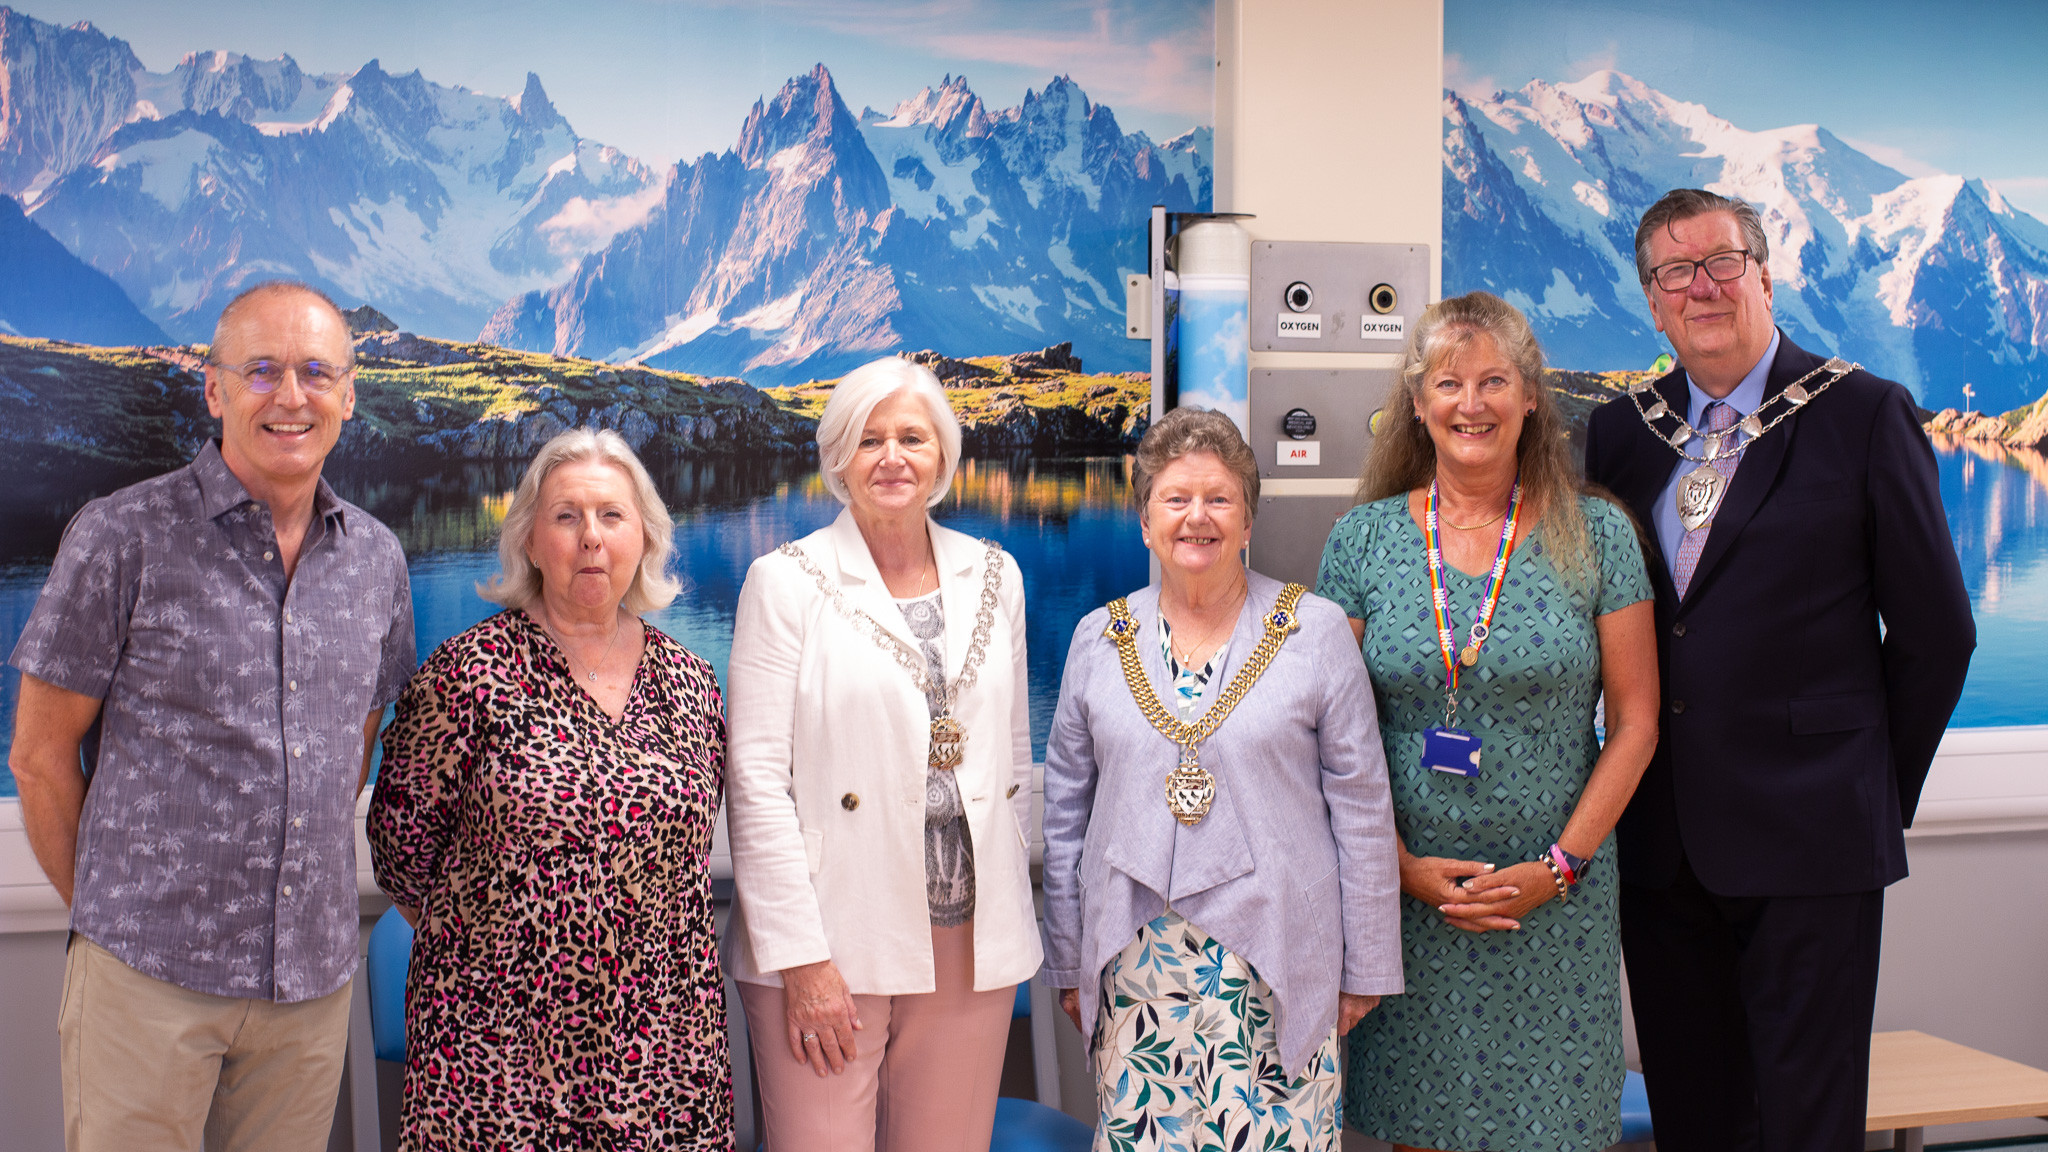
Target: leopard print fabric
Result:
[[565, 989]]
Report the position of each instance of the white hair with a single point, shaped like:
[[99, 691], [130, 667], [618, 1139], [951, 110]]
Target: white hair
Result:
[[518, 581], [853, 401]]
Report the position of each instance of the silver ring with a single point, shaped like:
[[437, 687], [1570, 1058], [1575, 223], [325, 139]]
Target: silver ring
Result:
[[810, 1037]]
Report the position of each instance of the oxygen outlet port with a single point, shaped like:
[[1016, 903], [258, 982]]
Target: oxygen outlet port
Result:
[[1299, 297], [1383, 298]]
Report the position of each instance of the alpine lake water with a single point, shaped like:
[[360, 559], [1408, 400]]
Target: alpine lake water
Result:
[[1069, 523], [1071, 527]]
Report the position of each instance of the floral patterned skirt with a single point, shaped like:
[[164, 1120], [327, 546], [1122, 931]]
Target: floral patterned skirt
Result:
[[1187, 1054]]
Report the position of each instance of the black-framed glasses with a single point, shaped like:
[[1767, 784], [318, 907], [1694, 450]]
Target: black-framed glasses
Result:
[[1721, 267], [268, 375]]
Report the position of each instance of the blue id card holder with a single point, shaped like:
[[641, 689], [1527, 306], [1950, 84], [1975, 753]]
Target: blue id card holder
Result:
[[1451, 750]]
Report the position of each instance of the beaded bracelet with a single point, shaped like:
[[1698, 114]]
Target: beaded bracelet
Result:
[[1563, 890]]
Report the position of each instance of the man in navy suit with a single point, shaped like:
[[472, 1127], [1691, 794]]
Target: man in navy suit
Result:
[[1814, 633]]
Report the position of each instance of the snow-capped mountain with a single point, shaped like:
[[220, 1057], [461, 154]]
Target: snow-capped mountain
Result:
[[1933, 282], [822, 239], [435, 203], [46, 291]]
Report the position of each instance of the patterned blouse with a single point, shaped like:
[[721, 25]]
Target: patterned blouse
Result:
[[1188, 683], [565, 989], [948, 850]]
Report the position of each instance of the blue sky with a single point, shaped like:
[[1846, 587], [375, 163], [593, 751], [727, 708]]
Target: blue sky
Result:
[[667, 79], [1960, 88]]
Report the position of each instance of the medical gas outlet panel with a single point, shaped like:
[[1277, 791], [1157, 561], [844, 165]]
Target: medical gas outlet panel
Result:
[[1311, 426]]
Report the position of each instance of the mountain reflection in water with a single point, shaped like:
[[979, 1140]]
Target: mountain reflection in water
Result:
[[1997, 504], [1070, 525]]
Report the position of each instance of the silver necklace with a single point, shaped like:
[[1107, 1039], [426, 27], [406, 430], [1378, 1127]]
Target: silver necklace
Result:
[[570, 661], [1700, 491], [948, 735]]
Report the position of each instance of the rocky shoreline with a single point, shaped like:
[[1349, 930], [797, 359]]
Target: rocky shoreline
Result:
[[78, 420]]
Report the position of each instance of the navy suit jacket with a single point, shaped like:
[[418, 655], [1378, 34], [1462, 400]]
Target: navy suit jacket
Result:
[[1796, 733]]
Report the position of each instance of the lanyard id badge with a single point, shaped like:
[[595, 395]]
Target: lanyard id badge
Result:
[[1448, 748], [1451, 750]]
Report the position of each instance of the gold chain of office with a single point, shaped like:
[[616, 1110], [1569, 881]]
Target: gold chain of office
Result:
[[1190, 788], [948, 737]]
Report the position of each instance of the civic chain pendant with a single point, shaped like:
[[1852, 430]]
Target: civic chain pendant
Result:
[[1699, 493], [1700, 490], [949, 740], [1190, 789]]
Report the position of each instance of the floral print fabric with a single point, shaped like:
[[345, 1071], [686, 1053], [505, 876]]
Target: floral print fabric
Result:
[[565, 990], [1187, 1054]]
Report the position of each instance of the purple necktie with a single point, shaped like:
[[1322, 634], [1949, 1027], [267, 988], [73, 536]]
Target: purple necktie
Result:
[[1720, 418]]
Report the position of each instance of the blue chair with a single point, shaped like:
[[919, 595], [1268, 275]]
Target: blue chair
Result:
[[1635, 1110], [390, 958], [1038, 1126]]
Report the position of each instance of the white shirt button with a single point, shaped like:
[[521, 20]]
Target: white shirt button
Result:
[[287, 615], [287, 889], [292, 684], [297, 751], [267, 555]]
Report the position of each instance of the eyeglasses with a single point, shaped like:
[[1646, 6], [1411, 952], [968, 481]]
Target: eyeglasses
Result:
[[268, 375], [1721, 267]]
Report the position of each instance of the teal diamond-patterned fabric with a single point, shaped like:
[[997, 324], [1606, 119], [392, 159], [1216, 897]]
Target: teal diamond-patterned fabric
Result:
[[1504, 1040]]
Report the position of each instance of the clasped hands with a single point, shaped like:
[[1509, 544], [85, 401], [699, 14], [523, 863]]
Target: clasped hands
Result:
[[1474, 896]]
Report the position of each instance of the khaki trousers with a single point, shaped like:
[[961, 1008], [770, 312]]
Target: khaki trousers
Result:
[[152, 1067], [926, 1077]]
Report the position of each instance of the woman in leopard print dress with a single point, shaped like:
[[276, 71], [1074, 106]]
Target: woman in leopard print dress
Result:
[[544, 817]]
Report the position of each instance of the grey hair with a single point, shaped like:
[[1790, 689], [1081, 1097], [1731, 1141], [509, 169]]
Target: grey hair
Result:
[[518, 581], [275, 288], [853, 400], [1686, 203], [1186, 431]]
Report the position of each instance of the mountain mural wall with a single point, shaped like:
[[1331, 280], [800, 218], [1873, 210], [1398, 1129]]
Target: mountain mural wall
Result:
[[823, 238], [1934, 282], [820, 239]]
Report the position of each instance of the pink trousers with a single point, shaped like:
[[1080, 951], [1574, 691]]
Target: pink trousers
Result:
[[925, 1079]]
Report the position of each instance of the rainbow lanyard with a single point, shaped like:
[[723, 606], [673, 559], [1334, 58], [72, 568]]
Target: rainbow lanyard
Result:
[[1440, 601]]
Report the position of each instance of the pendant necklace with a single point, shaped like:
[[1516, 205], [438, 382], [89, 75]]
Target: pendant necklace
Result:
[[1189, 659], [570, 661], [1700, 490]]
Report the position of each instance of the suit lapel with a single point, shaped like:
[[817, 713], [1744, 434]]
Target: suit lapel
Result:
[[1761, 462], [862, 581]]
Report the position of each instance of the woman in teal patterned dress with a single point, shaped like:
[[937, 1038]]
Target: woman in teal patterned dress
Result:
[[1509, 1036]]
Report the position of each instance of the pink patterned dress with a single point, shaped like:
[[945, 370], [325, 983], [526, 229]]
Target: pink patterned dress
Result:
[[565, 988]]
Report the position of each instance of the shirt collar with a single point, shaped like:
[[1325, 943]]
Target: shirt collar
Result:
[[1748, 395], [220, 491]]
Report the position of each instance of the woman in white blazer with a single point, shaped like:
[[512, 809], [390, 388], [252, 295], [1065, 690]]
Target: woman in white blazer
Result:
[[879, 781]]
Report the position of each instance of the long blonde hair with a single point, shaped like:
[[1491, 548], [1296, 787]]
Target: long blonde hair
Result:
[[1403, 457]]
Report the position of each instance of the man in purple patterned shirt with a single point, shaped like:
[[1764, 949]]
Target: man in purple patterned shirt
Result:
[[202, 680]]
